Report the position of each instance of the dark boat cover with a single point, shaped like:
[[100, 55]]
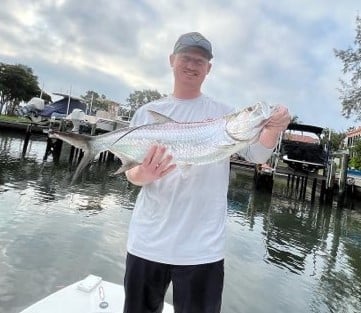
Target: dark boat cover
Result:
[[305, 128], [61, 107]]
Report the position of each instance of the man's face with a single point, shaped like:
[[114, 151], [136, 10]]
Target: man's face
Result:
[[190, 67]]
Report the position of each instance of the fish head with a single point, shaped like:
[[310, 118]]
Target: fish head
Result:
[[247, 123]]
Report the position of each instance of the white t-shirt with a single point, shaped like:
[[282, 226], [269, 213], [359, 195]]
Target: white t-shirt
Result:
[[180, 218]]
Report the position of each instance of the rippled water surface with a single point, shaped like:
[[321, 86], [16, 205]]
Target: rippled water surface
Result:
[[283, 254]]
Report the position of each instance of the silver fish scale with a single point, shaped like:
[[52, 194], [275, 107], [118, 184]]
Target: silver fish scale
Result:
[[188, 143]]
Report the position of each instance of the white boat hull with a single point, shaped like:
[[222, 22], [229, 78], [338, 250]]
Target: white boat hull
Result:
[[98, 297]]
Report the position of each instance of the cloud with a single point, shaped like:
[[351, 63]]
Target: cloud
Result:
[[276, 51]]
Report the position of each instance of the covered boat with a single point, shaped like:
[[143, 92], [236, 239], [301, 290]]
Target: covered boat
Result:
[[301, 148], [38, 112]]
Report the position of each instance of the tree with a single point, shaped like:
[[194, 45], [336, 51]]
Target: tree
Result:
[[96, 101], [17, 83], [295, 120], [138, 98], [335, 140], [355, 161], [351, 91]]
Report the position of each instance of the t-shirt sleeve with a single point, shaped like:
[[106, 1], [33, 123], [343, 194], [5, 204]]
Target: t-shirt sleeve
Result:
[[256, 153], [138, 118]]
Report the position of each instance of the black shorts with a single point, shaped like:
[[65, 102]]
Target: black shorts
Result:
[[196, 288]]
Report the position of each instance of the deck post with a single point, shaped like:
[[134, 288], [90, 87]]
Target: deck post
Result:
[[322, 191], [58, 144], [71, 155], [27, 138], [343, 173], [292, 181], [303, 190], [313, 192], [297, 182], [48, 149], [288, 181], [80, 155]]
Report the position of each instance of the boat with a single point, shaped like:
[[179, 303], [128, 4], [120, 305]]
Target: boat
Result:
[[104, 122], [73, 109], [90, 295], [40, 113], [302, 150]]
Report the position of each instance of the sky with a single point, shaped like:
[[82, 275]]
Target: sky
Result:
[[280, 52]]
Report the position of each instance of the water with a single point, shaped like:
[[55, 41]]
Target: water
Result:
[[353, 172], [283, 255]]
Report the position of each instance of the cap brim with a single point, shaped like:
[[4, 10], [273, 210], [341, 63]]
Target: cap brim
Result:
[[205, 52]]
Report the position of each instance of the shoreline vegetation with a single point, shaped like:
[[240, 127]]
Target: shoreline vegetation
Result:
[[14, 119], [18, 124]]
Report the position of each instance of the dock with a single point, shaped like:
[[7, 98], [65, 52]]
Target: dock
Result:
[[323, 184], [91, 126], [326, 185], [22, 126]]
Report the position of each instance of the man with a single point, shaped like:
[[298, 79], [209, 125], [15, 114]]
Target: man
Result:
[[177, 231]]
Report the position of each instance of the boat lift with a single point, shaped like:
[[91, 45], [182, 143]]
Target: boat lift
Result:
[[297, 180]]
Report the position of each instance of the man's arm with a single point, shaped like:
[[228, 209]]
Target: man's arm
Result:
[[275, 126], [260, 151]]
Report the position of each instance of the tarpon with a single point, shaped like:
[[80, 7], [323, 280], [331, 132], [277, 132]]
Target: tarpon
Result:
[[193, 143]]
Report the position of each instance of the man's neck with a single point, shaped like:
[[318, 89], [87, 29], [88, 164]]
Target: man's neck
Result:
[[186, 93]]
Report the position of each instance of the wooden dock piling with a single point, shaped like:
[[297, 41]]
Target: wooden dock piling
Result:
[[27, 138], [313, 190]]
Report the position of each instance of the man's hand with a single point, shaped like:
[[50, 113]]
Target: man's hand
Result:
[[156, 164], [277, 123], [279, 119]]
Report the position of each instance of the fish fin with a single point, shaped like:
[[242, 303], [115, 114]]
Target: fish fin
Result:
[[161, 118], [227, 146], [185, 170], [185, 166], [124, 168]]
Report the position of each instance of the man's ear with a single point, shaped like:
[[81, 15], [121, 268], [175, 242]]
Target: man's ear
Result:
[[171, 59], [209, 68]]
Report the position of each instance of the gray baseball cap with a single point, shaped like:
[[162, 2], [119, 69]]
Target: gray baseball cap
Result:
[[193, 39]]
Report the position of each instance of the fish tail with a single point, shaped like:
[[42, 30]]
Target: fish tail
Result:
[[80, 141], [84, 142], [85, 160]]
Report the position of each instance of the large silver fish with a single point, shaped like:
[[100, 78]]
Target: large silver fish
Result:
[[192, 143]]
